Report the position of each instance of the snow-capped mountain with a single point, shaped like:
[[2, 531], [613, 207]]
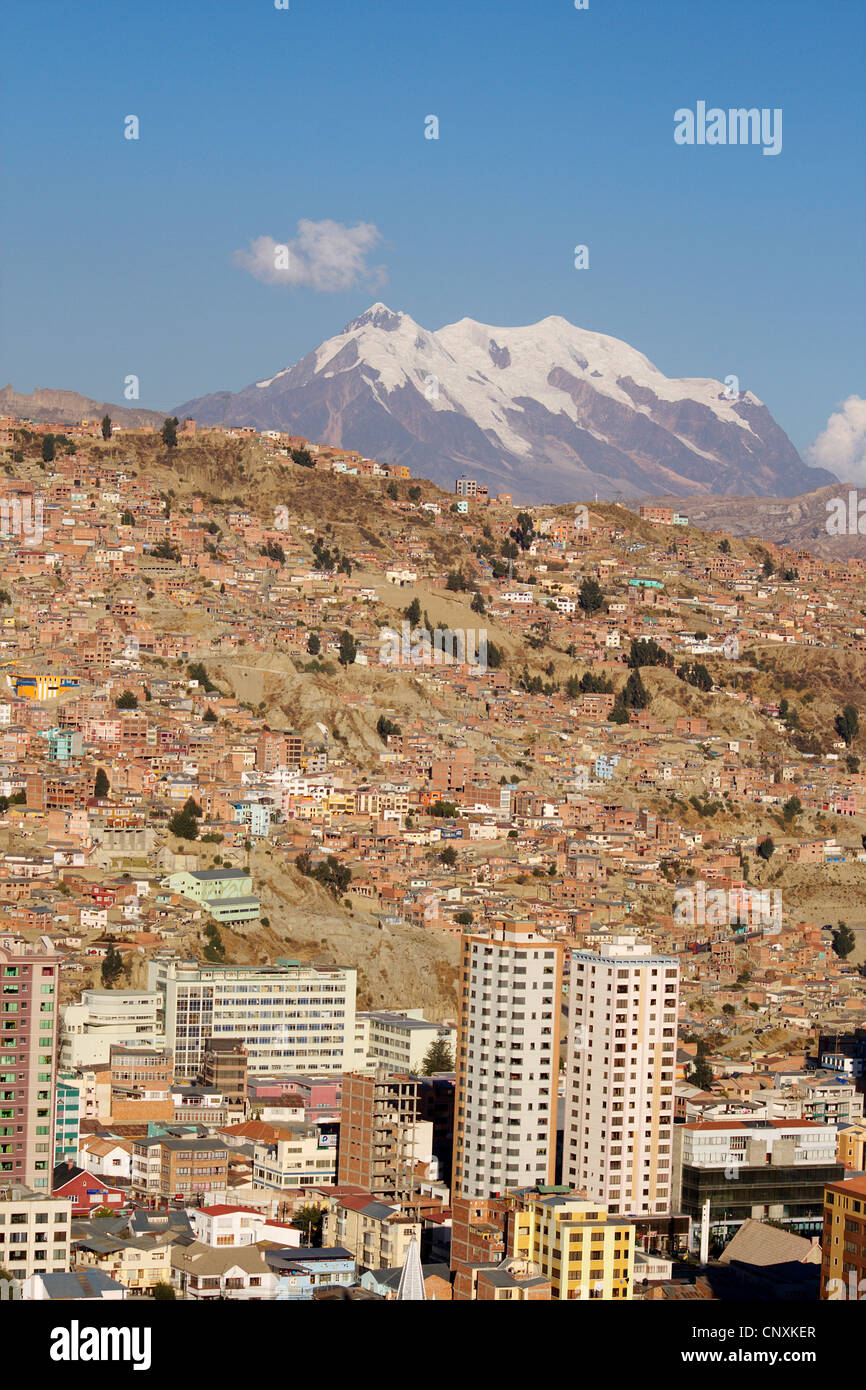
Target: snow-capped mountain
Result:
[[549, 412]]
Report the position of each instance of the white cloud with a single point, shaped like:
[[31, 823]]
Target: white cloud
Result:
[[326, 255], [841, 445]]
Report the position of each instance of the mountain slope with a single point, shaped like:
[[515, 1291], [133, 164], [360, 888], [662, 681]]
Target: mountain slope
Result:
[[548, 412], [47, 406]]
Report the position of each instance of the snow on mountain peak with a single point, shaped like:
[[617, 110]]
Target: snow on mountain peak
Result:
[[377, 316]]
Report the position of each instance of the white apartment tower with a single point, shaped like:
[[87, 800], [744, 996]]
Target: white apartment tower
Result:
[[290, 1016], [507, 1061], [619, 1109]]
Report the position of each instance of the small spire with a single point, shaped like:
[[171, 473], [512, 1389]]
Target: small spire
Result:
[[411, 1288]]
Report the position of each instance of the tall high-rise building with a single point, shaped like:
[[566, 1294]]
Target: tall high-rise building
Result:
[[29, 978], [507, 1061], [619, 1109]]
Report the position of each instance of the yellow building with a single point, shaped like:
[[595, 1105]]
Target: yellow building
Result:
[[582, 1250], [851, 1147], [138, 1263], [843, 1243]]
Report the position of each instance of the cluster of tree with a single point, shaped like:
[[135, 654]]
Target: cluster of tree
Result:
[[456, 583], [198, 672], [169, 432], [302, 457], [523, 533], [634, 695], [847, 724], [536, 685], [166, 550], [214, 950], [788, 715], [696, 674], [327, 559], [588, 684], [19, 799], [184, 823], [333, 875], [126, 700], [386, 727], [443, 808], [52, 442], [645, 651], [274, 551]]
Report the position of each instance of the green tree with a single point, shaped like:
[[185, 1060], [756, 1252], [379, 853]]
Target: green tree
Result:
[[701, 1073], [391, 491], [128, 518], [198, 672], [163, 1293], [48, 448], [478, 605], [438, 1057], [495, 656], [619, 713], [101, 785], [413, 613], [766, 849], [446, 809], [314, 644], [844, 941], [214, 950], [303, 458], [184, 825], [792, 807], [448, 857], [645, 651], [106, 427], [590, 596], [169, 432], [126, 700], [386, 727], [112, 967], [209, 717], [634, 693], [847, 724], [725, 546], [310, 1220], [347, 650]]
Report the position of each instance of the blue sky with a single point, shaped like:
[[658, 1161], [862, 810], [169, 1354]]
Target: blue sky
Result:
[[556, 128]]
